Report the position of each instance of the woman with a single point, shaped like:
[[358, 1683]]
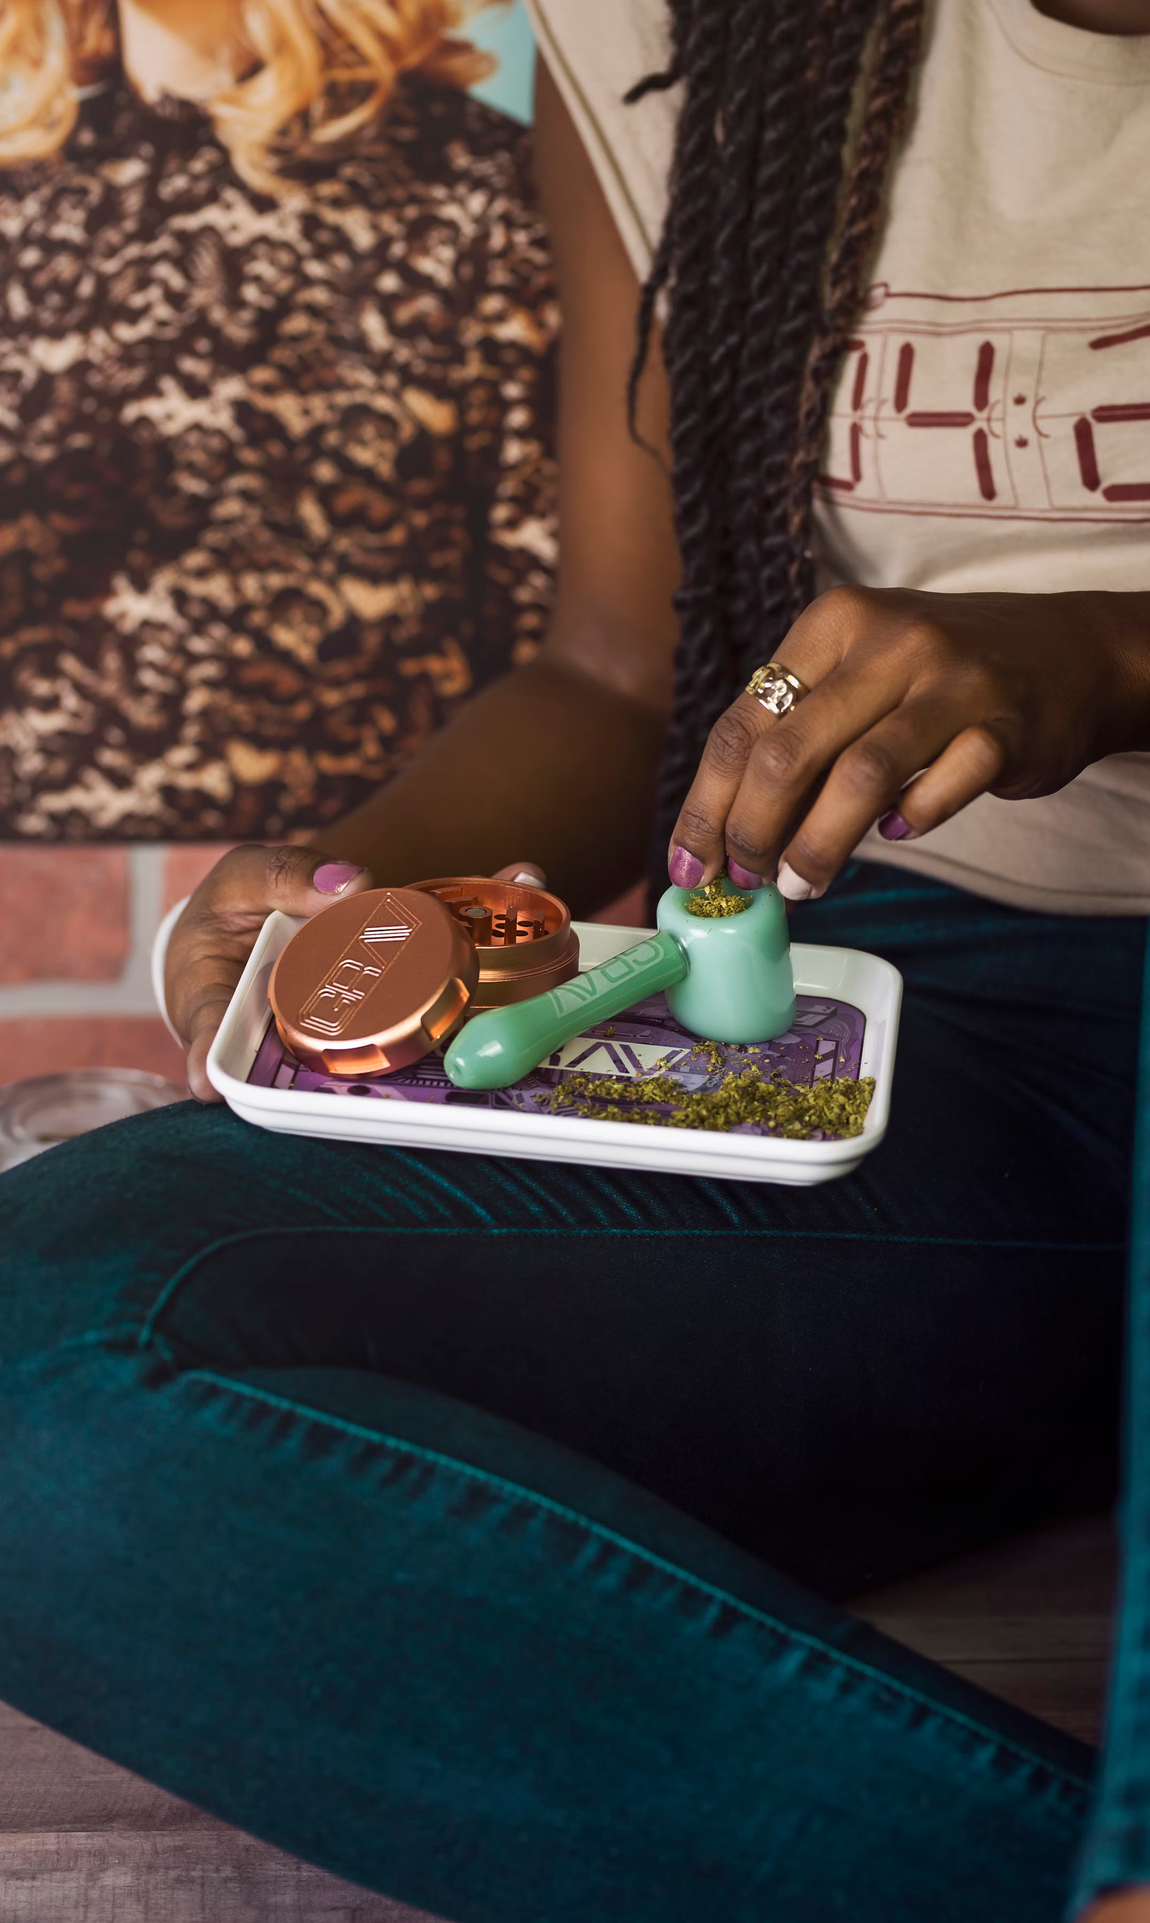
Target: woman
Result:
[[276, 488], [474, 1571]]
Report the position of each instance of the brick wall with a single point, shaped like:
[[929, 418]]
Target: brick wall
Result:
[[76, 929]]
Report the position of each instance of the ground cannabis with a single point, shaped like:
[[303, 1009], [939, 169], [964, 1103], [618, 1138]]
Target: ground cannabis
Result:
[[835, 1106], [712, 901]]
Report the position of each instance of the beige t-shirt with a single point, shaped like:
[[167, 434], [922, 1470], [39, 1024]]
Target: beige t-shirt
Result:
[[991, 425]]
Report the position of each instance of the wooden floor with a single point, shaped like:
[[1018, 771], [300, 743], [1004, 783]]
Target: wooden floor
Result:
[[1028, 1620], [82, 1841]]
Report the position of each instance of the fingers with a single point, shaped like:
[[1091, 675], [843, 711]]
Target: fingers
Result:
[[782, 759], [253, 880], [214, 936], [203, 1022], [971, 765], [866, 776], [909, 717], [211, 942], [787, 775], [697, 846], [743, 806], [876, 777]]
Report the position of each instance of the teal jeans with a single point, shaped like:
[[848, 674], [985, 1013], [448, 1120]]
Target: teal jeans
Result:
[[473, 1528]]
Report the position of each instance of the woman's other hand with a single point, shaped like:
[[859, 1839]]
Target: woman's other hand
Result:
[[214, 936], [919, 703]]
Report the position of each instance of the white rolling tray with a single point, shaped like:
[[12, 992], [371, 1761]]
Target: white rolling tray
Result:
[[844, 974]]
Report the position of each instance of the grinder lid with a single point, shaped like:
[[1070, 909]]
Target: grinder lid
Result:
[[373, 983]]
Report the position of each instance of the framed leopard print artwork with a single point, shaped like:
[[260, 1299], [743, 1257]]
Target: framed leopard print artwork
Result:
[[276, 474]]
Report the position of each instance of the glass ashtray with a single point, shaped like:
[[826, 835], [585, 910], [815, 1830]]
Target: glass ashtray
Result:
[[46, 1109]]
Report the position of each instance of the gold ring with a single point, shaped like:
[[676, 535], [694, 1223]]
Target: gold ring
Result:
[[776, 689]]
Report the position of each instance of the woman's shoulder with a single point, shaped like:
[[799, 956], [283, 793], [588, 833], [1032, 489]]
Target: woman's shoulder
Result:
[[596, 51]]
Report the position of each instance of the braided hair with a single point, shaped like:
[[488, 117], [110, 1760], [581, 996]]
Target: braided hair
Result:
[[762, 261]]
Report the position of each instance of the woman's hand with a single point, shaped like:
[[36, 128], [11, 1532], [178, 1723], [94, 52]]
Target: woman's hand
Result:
[[216, 933], [919, 702]]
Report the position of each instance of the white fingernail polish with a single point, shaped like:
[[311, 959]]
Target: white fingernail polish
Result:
[[793, 888]]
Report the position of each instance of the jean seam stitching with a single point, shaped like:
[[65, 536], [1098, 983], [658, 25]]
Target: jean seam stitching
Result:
[[602, 1533], [108, 1335]]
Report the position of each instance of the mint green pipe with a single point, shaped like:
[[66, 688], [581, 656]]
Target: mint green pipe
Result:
[[499, 1047], [729, 979], [738, 986]]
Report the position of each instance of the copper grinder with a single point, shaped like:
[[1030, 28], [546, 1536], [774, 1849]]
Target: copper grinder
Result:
[[522, 934], [378, 980]]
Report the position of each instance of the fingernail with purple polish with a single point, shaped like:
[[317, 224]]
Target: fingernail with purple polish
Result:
[[892, 827], [742, 877], [332, 877], [685, 869]]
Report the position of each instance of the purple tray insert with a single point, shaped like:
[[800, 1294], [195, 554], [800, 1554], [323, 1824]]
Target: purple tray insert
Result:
[[825, 1039]]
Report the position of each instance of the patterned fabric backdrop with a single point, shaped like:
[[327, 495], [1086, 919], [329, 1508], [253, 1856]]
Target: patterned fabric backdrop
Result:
[[276, 478]]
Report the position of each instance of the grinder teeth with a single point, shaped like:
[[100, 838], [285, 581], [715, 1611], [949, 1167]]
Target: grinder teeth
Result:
[[476, 919], [505, 930], [513, 927]]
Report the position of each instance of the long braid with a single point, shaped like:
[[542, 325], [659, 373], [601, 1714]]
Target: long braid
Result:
[[715, 481], [746, 178], [813, 220], [743, 123], [778, 178], [763, 260], [693, 229], [683, 264], [883, 121]]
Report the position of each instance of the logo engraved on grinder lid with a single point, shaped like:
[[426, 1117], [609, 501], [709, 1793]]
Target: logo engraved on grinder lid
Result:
[[335, 1001], [372, 983]]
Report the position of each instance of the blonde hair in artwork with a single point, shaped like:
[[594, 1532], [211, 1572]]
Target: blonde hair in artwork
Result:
[[320, 71]]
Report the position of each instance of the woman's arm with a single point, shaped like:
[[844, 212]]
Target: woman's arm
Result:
[[1008, 693], [556, 761]]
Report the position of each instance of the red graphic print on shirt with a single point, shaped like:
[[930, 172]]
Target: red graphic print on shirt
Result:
[[1031, 405]]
